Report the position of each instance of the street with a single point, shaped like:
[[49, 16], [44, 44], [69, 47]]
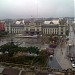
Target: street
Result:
[[54, 63], [60, 58], [61, 55]]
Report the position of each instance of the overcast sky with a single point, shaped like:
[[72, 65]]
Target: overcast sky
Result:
[[36, 8]]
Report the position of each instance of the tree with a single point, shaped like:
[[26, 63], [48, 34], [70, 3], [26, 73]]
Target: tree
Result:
[[62, 21], [33, 49], [2, 33], [10, 47]]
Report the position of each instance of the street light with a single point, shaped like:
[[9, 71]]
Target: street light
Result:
[[60, 40]]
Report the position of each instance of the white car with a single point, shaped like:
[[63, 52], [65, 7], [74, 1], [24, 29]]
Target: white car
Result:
[[73, 64], [51, 56], [71, 59]]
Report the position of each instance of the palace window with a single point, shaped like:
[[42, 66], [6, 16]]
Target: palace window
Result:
[[26, 29], [26, 23], [61, 32], [61, 29], [38, 23], [37, 29]]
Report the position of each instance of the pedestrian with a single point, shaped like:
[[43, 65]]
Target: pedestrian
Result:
[[62, 53], [66, 42], [61, 49]]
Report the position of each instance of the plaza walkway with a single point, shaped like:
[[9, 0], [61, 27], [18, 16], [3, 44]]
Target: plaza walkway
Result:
[[61, 57]]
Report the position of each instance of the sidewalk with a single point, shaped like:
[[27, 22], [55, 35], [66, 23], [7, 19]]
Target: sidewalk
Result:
[[61, 57]]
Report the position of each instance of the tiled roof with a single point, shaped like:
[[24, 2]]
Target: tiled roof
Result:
[[54, 21], [15, 25], [10, 71], [26, 21], [38, 21], [47, 22]]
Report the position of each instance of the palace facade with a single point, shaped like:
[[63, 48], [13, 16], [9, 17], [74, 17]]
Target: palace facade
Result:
[[37, 27]]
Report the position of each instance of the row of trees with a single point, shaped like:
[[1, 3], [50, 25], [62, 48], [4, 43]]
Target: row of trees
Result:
[[2, 33], [11, 49], [26, 60], [63, 21]]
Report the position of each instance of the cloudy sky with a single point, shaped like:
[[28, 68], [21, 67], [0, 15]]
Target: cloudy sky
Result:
[[36, 8]]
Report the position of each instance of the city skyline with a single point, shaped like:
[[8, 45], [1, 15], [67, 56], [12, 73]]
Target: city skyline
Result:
[[36, 8]]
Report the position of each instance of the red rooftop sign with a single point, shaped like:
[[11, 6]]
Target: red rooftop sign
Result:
[[1, 26]]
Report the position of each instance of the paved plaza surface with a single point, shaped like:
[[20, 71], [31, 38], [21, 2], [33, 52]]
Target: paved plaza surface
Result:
[[62, 59]]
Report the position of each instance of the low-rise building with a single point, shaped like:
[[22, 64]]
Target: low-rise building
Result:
[[33, 70]]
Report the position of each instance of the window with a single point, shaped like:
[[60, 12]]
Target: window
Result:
[[48, 31], [37, 33], [26, 32], [43, 30], [26, 29], [26, 23], [38, 23], [37, 29], [61, 32], [61, 29], [32, 33]]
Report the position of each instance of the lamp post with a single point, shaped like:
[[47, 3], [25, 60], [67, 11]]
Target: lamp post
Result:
[[69, 46], [60, 40], [11, 40]]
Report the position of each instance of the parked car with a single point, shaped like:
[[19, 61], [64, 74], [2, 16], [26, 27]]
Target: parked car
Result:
[[73, 64], [71, 59], [51, 57]]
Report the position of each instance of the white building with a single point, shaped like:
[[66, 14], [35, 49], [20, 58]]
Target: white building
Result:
[[37, 27], [14, 28], [28, 28], [53, 27]]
